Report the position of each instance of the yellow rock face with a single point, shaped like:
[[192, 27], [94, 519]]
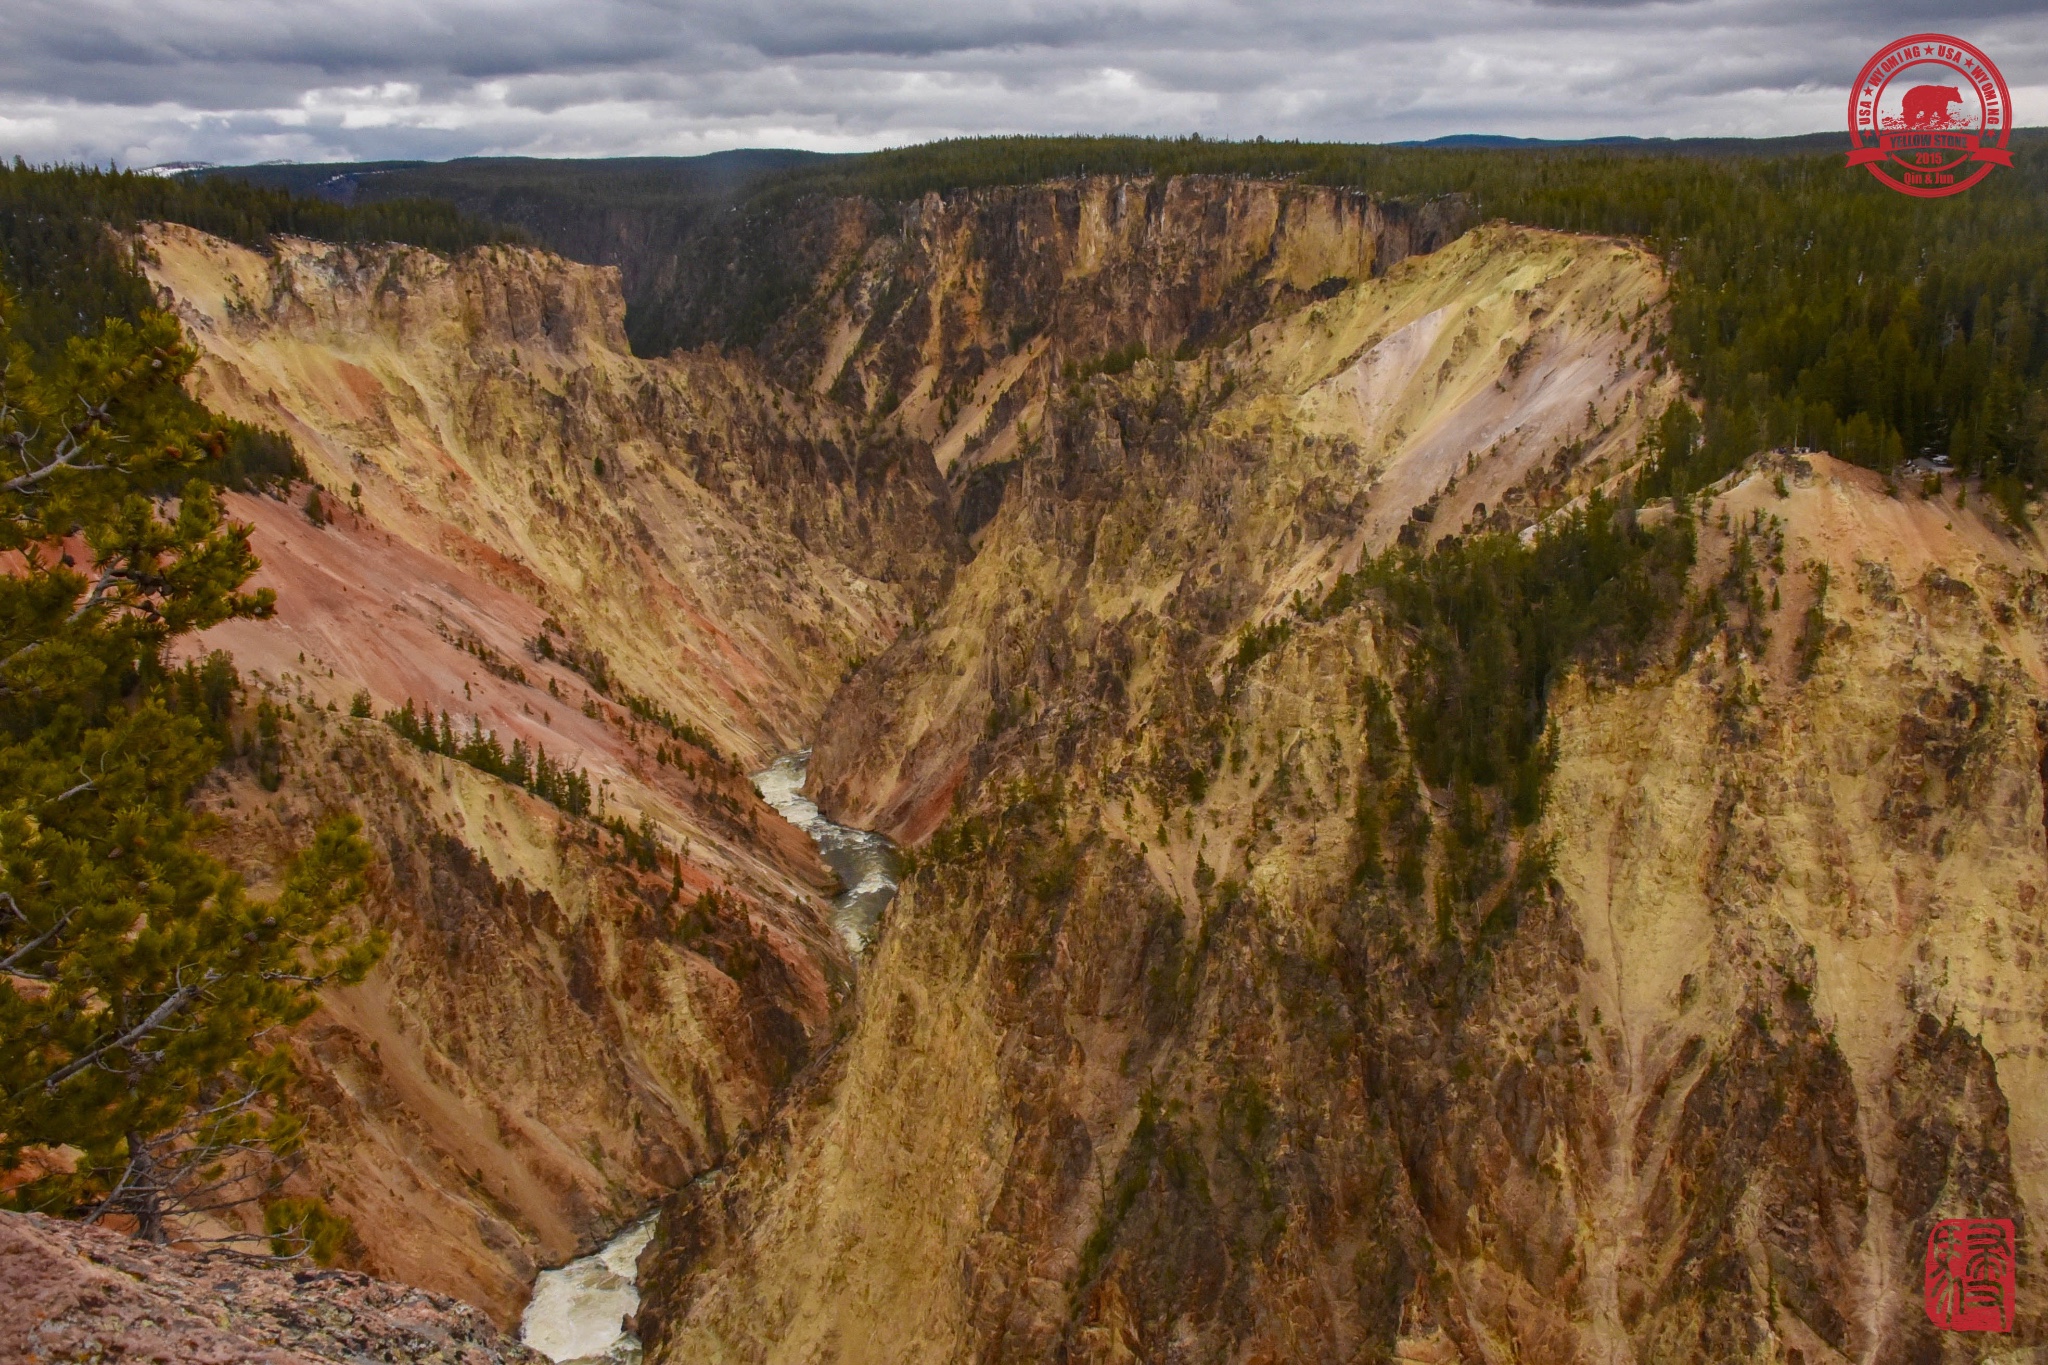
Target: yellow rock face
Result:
[[1487, 382], [489, 414], [1871, 834], [1146, 1069]]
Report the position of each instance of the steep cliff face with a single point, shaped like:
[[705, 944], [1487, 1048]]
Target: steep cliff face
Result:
[[1487, 382], [1810, 906], [955, 316], [556, 1036], [653, 572], [1157, 1059], [729, 546]]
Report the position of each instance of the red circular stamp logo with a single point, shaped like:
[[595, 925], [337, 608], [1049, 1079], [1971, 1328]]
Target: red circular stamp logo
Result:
[[1929, 116]]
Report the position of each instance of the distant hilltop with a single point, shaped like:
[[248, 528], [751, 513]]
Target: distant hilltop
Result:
[[1754, 146]]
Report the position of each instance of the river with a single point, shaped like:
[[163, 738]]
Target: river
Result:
[[578, 1312], [577, 1315], [865, 861]]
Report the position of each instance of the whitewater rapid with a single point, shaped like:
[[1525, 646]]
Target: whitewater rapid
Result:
[[865, 861], [577, 1315], [578, 1312]]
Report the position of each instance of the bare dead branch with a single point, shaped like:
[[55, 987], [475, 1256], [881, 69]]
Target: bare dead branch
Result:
[[111, 575], [70, 792], [62, 459], [7, 964]]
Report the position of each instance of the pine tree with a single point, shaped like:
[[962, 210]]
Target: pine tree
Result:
[[141, 989]]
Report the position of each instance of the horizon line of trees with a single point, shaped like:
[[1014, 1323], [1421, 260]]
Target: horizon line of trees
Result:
[[1810, 306]]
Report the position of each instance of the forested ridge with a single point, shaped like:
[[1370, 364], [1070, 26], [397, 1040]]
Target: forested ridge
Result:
[[1811, 306], [671, 225], [68, 272]]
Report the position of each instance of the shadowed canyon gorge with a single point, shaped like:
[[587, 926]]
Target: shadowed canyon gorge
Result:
[[1212, 1021]]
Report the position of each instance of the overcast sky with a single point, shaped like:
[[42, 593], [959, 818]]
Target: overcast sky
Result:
[[140, 82]]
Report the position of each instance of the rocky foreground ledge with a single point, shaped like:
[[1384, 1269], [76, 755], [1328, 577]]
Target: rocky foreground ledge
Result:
[[75, 1293]]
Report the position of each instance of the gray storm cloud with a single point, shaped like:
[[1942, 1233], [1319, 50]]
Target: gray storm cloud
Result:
[[243, 80]]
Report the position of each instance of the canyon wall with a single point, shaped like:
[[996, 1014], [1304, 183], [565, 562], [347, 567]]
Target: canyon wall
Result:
[[728, 545], [1029, 508], [956, 316], [1156, 1060], [1493, 380], [655, 572], [658, 572]]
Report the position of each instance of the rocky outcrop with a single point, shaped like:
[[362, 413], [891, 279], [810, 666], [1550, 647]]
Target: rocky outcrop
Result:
[[1159, 1058], [78, 1293]]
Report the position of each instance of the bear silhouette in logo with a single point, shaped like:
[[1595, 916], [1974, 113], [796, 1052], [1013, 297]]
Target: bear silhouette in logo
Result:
[[1926, 106]]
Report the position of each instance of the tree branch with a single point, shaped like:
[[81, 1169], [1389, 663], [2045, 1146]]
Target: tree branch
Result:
[[105, 1204], [70, 792], [67, 452], [157, 1018], [108, 577], [68, 449], [22, 653], [7, 963]]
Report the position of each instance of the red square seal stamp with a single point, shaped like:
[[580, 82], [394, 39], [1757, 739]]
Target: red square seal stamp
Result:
[[1972, 1274]]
